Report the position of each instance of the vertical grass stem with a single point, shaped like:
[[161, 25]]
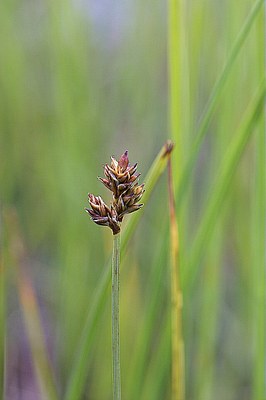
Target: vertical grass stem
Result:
[[115, 318], [2, 330], [178, 367]]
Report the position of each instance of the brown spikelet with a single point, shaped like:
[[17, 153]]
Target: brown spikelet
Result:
[[101, 214], [122, 180]]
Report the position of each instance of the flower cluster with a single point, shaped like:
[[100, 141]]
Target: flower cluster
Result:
[[122, 180]]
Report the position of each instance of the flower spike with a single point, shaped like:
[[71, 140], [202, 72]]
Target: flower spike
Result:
[[122, 180]]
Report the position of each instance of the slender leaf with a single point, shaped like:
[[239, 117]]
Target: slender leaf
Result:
[[219, 189], [259, 239], [214, 98]]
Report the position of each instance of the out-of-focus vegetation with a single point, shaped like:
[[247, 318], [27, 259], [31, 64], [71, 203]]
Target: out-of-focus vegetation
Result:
[[81, 81]]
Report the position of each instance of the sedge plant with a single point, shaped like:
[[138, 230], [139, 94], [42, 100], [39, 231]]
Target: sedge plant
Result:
[[78, 374], [122, 180]]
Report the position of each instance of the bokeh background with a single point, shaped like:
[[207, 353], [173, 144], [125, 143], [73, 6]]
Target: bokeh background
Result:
[[80, 81]]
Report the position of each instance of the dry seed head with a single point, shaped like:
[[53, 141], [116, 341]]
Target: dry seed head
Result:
[[122, 180]]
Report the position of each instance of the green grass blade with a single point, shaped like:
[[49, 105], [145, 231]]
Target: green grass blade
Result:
[[2, 330], [178, 110], [176, 78], [79, 371], [259, 239], [214, 98], [219, 190], [258, 268]]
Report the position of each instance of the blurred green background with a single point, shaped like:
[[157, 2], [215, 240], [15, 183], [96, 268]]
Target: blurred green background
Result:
[[81, 81]]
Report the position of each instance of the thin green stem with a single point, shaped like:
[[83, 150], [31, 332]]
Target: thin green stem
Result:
[[115, 319], [178, 364], [2, 330]]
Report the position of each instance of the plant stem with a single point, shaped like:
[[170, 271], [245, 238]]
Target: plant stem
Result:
[[115, 318], [2, 330], [178, 363]]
